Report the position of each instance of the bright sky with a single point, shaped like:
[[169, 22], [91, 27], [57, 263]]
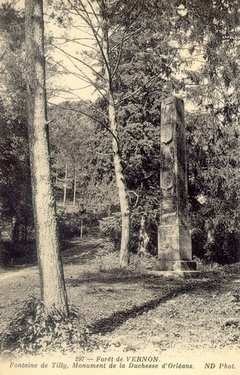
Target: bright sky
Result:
[[80, 89]]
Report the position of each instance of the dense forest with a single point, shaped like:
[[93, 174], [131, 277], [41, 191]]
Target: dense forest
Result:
[[152, 51]]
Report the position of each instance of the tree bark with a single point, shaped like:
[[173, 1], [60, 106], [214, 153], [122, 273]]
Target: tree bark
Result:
[[123, 195], [53, 290]]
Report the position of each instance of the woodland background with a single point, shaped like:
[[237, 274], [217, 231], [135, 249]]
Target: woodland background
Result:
[[189, 49]]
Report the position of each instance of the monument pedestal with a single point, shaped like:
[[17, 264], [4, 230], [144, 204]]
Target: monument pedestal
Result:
[[176, 266], [174, 249], [174, 238]]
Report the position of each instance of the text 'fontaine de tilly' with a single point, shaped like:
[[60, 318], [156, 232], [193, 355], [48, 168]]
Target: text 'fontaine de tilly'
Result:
[[119, 362]]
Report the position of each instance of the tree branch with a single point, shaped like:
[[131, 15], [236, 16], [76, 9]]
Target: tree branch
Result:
[[102, 154], [136, 195], [84, 77], [90, 116], [70, 56], [139, 89]]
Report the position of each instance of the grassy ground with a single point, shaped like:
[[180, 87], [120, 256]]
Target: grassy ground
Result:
[[134, 310]]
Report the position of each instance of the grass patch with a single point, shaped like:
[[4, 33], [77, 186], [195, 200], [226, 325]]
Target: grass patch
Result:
[[122, 309]]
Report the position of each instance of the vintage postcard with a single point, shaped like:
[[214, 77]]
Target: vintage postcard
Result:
[[119, 187]]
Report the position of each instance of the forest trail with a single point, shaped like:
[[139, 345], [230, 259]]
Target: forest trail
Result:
[[77, 250], [18, 272], [20, 282]]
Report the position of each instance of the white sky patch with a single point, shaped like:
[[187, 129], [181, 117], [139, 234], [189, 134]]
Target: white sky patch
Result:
[[71, 86], [70, 48], [74, 80]]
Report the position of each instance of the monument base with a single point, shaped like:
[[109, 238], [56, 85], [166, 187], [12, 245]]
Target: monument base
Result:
[[176, 266]]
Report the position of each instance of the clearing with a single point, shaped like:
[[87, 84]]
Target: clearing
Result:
[[134, 310]]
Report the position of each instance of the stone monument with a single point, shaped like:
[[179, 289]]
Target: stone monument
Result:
[[174, 238]]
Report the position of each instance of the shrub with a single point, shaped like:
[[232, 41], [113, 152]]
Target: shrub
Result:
[[33, 331], [22, 252], [69, 223], [224, 250], [151, 227], [110, 228]]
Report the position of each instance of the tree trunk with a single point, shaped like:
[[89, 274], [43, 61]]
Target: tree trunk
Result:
[[50, 266], [15, 231], [123, 196], [65, 186], [74, 187], [81, 228], [143, 237], [120, 179]]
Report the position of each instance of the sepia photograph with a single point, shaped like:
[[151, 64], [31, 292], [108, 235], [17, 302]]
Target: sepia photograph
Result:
[[119, 187]]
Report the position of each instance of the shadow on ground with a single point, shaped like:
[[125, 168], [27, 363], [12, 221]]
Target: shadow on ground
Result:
[[111, 276], [109, 324]]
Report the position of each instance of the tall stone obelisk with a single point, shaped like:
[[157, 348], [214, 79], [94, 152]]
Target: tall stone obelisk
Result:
[[174, 238]]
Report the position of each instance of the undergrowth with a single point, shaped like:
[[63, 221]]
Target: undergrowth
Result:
[[33, 331]]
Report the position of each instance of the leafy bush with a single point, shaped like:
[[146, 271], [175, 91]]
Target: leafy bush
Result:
[[213, 165], [110, 227], [6, 253], [107, 257], [33, 331], [69, 223], [151, 228], [224, 250], [22, 252]]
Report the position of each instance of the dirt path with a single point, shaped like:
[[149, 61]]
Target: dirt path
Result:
[[17, 273], [21, 282], [133, 310], [77, 251]]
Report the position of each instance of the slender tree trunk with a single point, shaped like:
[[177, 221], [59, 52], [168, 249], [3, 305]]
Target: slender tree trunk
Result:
[[143, 237], [101, 38], [120, 179], [15, 231], [74, 187], [123, 195], [56, 178], [65, 186], [81, 227], [50, 266]]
